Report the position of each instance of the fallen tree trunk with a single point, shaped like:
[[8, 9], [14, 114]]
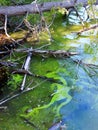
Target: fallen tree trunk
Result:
[[45, 6]]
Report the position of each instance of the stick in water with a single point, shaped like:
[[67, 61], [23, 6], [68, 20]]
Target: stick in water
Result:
[[26, 67]]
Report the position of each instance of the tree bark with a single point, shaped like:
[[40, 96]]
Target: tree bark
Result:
[[45, 6]]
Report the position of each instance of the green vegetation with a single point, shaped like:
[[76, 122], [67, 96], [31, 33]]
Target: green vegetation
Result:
[[14, 82]]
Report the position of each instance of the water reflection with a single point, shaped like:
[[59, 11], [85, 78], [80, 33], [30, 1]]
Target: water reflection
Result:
[[81, 112]]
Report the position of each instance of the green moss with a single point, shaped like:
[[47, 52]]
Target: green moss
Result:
[[14, 82]]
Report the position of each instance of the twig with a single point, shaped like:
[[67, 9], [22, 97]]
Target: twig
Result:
[[7, 63], [43, 46], [52, 21], [28, 25], [18, 94], [22, 71], [80, 62], [43, 19], [8, 99], [44, 24], [5, 26], [81, 20], [4, 52], [47, 28], [29, 84], [20, 23], [5, 29], [87, 29], [33, 30], [18, 26]]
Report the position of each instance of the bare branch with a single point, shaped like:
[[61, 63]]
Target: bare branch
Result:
[[48, 53], [87, 29], [5, 26]]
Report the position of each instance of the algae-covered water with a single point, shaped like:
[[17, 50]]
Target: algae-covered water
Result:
[[71, 97]]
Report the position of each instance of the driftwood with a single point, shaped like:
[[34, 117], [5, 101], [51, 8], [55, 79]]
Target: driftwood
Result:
[[45, 6]]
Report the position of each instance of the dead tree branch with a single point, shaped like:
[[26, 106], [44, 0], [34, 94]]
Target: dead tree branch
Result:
[[48, 53], [45, 53], [87, 29]]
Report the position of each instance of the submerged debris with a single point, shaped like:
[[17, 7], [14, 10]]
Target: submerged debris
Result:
[[29, 122], [3, 108], [57, 126]]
